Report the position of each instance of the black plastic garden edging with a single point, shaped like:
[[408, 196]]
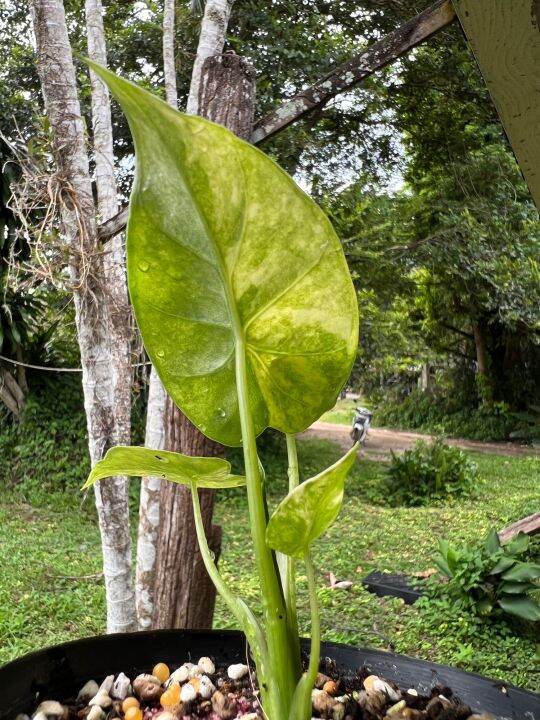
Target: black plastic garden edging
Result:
[[60, 671], [392, 585]]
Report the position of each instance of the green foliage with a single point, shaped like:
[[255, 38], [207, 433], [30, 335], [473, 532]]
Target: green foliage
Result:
[[200, 472], [430, 472], [453, 416], [310, 509], [46, 450], [490, 578]]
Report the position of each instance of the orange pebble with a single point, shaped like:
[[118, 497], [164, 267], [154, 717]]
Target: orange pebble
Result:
[[171, 696], [162, 672], [133, 713], [196, 682], [130, 702]]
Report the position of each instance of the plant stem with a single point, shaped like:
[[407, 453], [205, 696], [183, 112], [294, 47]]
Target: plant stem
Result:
[[284, 672], [301, 707], [238, 608], [315, 653], [290, 563]]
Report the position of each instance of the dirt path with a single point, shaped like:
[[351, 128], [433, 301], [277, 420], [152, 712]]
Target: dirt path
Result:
[[381, 441]]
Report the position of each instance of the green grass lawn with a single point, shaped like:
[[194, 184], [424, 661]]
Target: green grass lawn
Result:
[[50, 558]]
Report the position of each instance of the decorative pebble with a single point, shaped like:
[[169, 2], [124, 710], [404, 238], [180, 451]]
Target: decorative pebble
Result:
[[134, 713], [96, 713], [121, 687], [171, 696], [106, 685], [130, 702], [331, 687], [322, 702], [249, 716], [206, 666], [147, 688], [162, 672], [88, 691], [398, 707], [320, 680], [180, 675], [101, 700], [51, 709], [206, 687], [237, 672], [373, 684], [188, 693], [224, 706]]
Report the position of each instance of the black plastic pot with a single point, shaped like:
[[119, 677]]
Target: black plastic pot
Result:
[[60, 671]]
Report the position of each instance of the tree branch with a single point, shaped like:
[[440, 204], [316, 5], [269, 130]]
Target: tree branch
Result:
[[342, 78], [346, 76]]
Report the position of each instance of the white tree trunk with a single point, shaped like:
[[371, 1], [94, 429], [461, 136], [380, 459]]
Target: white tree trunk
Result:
[[149, 507], [211, 42], [155, 412], [57, 75], [169, 65]]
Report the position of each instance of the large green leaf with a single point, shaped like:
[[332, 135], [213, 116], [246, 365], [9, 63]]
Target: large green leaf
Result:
[[139, 461], [522, 572], [525, 608], [309, 510], [224, 251]]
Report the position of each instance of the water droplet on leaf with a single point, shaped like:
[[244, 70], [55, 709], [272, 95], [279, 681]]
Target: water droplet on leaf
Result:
[[143, 266]]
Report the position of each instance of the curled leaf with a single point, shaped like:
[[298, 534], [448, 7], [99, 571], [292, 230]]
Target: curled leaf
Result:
[[309, 510], [184, 469]]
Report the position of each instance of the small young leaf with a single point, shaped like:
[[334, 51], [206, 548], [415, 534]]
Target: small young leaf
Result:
[[140, 461], [309, 510], [522, 572], [525, 608], [492, 542]]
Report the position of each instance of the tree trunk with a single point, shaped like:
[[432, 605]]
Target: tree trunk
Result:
[[149, 507], [114, 263], [184, 594], [169, 64], [114, 255], [57, 75], [211, 42]]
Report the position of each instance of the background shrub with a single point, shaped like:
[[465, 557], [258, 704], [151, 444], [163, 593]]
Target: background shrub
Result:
[[491, 578], [429, 472]]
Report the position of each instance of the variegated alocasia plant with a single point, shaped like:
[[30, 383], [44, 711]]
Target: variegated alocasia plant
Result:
[[246, 307]]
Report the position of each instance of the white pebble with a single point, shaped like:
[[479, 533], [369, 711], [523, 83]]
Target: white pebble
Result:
[[121, 687], [207, 688], [179, 676], [206, 666], [187, 693], [237, 672], [88, 691], [194, 671], [96, 713], [106, 685], [50, 708], [102, 700]]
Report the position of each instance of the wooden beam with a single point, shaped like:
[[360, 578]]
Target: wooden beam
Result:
[[529, 525], [505, 38], [341, 79], [358, 68]]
